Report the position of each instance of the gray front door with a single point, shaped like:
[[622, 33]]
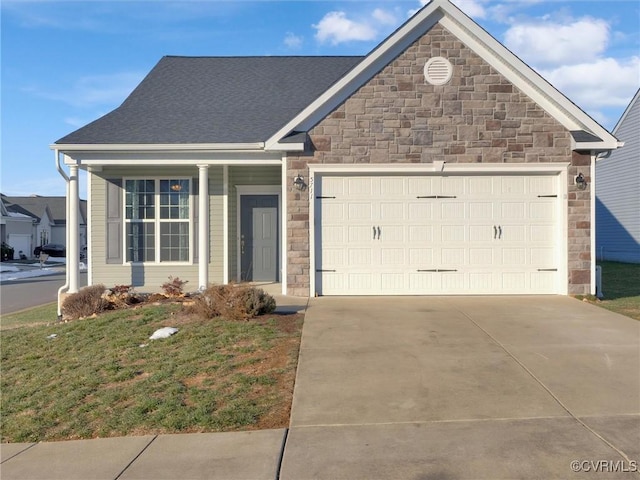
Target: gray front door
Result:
[[259, 238]]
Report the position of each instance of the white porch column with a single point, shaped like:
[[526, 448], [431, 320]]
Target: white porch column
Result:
[[203, 226], [225, 224], [73, 250]]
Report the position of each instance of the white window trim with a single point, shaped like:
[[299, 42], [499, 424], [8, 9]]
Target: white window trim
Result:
[[157, 220]]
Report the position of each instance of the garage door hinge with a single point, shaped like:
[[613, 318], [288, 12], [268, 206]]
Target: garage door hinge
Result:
[[547, 196], [437, 196], [325, 197], [547, 269], [437, 270], [320, 270]]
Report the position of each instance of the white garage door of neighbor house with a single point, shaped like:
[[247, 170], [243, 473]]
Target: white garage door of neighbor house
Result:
[[20, 243], [416, 235]]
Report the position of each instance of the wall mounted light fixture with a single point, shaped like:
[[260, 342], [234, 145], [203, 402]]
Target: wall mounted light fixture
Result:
[[298, 182], [581, 182]]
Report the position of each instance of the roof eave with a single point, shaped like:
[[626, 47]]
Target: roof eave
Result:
[[164, 147]]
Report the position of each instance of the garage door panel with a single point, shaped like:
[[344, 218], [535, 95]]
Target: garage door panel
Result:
[[360, 234], [420, 234], [542, 211], [333, 256], [481, 186], [392, 186], [422, 282], [420, 211], [359, 256], [392, 210], [359, 212], [514, 256], [421, 257], [452, 233], [544, 257], [453, 210], [421, 186], [481, 257], [392, 256], [541, 233], [359, 187], [481, 211], [497, 236], [452, 185], [480, 282]]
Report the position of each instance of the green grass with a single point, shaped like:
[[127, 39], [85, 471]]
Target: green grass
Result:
[[34, 316], [95, 379], [621, 288]]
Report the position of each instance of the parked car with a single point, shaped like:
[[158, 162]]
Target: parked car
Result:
[[51, 249]]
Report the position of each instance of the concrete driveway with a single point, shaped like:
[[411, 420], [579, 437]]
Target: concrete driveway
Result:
[[465, 387]]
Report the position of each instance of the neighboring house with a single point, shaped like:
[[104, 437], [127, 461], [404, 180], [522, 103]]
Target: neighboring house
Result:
[[16, 230], [48, 220], [439, 163], [617, 193]]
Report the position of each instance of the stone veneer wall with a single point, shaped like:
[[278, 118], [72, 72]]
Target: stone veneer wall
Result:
[[478, 117]]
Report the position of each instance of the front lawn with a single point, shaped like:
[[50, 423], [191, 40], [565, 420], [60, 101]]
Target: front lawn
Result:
[[102, 376], [621, 288]]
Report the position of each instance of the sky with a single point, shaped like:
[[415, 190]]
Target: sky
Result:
[[67, 63]]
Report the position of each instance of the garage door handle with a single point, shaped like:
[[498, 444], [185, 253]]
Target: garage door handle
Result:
[[438, 270], [379, 232], [495, 232], [499, 232], [374, 233], [436, 196], [547, 269]]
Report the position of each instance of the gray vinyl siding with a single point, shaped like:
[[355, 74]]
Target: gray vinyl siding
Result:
[[150, 277], [245, 176], [617, 199], [147, 277]]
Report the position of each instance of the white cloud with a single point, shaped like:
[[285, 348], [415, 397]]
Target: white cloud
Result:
[[472, 8], [384, 17], [606, 82], [292, 41], [336, 28], [551, 43]]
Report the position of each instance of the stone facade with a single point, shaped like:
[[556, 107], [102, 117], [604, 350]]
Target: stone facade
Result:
[[477, 117]]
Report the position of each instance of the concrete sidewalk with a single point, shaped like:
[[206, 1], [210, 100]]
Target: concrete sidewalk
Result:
[[416, 388]]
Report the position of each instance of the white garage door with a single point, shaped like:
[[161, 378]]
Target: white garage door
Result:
[[416, 235]]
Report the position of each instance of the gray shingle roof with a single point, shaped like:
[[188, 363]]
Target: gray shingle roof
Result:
[[35, 206], [215, 100]]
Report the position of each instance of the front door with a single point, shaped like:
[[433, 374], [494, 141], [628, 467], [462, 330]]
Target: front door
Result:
[[259, 238]]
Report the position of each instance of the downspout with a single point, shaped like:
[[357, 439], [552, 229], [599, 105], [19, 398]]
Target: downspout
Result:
[[65, 287], [594, 159]]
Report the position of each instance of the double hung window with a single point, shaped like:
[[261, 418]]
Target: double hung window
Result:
[[157, 220]]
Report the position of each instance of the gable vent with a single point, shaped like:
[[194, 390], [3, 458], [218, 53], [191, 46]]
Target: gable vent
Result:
[[438, 71]]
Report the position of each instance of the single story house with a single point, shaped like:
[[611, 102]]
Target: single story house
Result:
[[439, 163], [617, 195], [16, 230], [47, 222]]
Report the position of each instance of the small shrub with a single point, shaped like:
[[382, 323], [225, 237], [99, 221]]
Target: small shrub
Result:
[[174, 287], [233, 302], [86, 302]]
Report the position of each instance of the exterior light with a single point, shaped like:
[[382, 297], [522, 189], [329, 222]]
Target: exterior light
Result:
[[298, 182], [581, 182]]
